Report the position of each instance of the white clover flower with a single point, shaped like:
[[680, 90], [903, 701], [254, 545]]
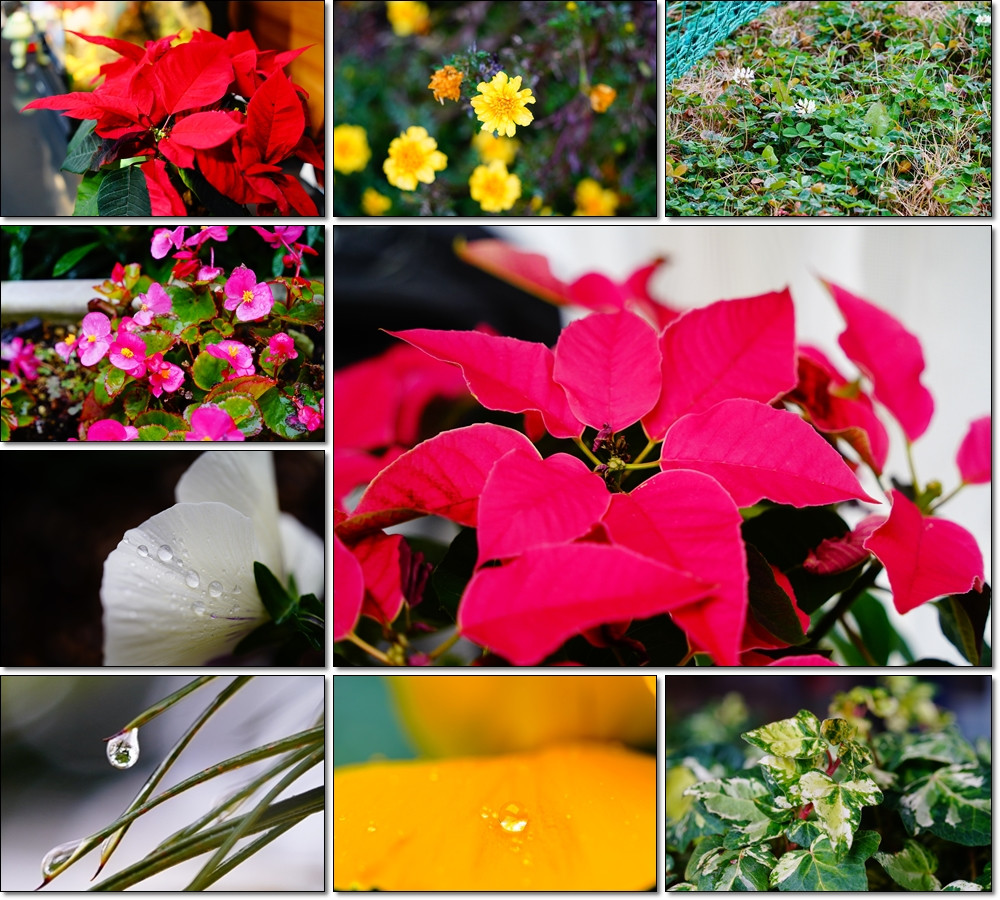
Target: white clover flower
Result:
[[743, 76], [805, 108], [985, 19], [179, 589]]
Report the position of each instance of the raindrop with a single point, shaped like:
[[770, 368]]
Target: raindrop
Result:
[[215, 589], [123, 749], [57, 856], [237, 589], [142, 550], [198, 607], [513, 820], [192, 579], [371, 827], [165, 553]]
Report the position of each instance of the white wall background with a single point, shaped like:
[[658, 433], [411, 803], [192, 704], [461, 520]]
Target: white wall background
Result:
[[936, 279]]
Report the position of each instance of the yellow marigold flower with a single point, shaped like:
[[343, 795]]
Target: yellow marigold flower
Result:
[[571, 6], [593, 200], [503, 104], [493, 187], [350, 148], [373, 203], [413, 157], [408, 17], [446, 84], [490, 148], [601, 97]]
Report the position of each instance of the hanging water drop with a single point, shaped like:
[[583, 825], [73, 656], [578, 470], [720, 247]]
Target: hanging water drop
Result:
[[142, 550], [165, 553], [237, 589], [123, 749], [215, 589], [512, 819], [191, 579], [198, 607], [57, 856]]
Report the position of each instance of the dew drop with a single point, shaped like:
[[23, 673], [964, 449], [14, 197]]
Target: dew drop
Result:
[[484, 813], [237, 589], [215, 589], [198, 607], [142, 550], [371, 827], [191, 579], [513, 820], [57, 856], [123, 749], [165, 554]]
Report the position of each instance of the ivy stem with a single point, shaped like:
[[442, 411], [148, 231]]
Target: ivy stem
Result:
[[942, 500], [645, 452], [447, 645], [369, 649], [587, 451], [847, 598]]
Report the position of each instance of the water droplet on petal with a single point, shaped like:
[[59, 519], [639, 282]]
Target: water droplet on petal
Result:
[[371, 827], [123, 749], [57, 856], [192, 579], [215, 589], [237, 589], [198, 607], [142, 550], [165, 553], [512, 819]]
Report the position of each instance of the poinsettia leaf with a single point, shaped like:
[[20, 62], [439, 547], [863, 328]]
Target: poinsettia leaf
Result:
[[348, 589], [755, 451], [192, 75], [924, 556], [974, 457], [164, 199], [123, 48], [822, 868], [528, 271], [443, 476], [963, 621], [719, 869], [733, 348], [609, 365], [798, 737], [770, 605], [890, 356], [454, 571], [502, 373], [379, 558], [838, 805], [688, 521], [204, 129], [123, 192], [953, 803], [530, 501], [82, 149], [275, 120], [526, 609]]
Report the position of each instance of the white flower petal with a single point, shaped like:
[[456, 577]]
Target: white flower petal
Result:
[[244, 480], [179, 589], [303, 553]]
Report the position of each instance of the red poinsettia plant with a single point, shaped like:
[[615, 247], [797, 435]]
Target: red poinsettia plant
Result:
[[209, 123], [685, 489]]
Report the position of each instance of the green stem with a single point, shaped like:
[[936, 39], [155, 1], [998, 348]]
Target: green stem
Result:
[[913, 469], [823, 627], [650, 465], [645, 452], [447, 645], [942, 500], [587, 451], [165, 704], [246, 852], [859, 644], [369, 649]]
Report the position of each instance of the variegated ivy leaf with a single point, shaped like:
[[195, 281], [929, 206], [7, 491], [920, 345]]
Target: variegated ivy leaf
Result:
[[838, 804], [961, 885], [683, 886], [836, 731], [745, 807], [944, 746], [952, 803], [717, 869], [784, 773], [822, 868], [912, 868], [855, 757], [798, 737]]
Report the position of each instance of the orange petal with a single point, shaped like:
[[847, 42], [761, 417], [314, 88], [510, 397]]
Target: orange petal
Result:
[[450, 715], [574, 817]]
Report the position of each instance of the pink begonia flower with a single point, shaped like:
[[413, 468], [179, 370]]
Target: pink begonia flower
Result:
[[209, 423], [95, 338], [22, 358], [210, 272], [155, 301], [282, 234], [110, 430], [238, 355], [281, 348], [65, 348], [163, 375], [163, 240], [118, 274], [128, 325], [310, 417], [207, 233], [251, 300], [128, 353]]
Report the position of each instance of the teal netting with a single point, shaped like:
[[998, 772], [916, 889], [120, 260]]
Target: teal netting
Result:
[[694, 28]]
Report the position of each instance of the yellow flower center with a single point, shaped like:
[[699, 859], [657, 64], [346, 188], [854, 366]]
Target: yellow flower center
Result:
[[232, 351], [70, 340], [128, 354], [411, 156], [164, 369], [143, 308], [248, 296], [91, 338]]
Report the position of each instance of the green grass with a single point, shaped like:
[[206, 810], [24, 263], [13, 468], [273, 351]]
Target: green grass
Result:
[[901, 126]]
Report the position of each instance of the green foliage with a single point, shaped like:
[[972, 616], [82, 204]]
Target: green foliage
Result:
[[123, 192], [833, 806]]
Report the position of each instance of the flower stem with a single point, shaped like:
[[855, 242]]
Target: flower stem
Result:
[[447, 645], [369, 649], [645, 452], [650, 465], [845, 602], [913, 469], [941, 502], [587, 451]]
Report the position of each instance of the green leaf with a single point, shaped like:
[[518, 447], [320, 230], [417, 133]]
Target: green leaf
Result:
[[207, 370], [190, 307], [838, 805], [961, 885], [820, 868], [159, 417], [190, 335], [718, 869], [244, 413], [836, 731], [82, 148], [769, 155], [797, 737], [878, 119], [880, 638], [952, 803], [279, 604], [86, 195], [277, 409], [912, 868], [71, 257], [114, 381], [769, 604], [153, 433], [453, 573], [156, 341], [124, 193], [963, 621], [945, 746], [252, 385]]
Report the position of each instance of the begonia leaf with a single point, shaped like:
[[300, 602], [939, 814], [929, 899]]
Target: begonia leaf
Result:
[[924, 556], [502, 373], [686, 520], [443, 476], [378, 555], [975, 455], [526, 609], [822, 868], [609, 364], [952, 803], [275, 120], [733, 348], [204, 129], [755, 451], [530, 501], [192, 75], [890, 356], [348, 590]]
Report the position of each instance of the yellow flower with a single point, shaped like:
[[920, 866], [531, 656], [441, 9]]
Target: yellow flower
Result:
[[601, 97], [571, 6], [593, 200], [493, 188], [350, 149], [413, 157], [446, 84], [490, 148], [373, 203], [503, 104], [408, 17]]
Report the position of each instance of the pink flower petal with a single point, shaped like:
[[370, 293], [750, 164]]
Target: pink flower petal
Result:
[[502, 373], [733, 348], [975, 455], [379, 558], [528, 271], [890, 356], [348, 590], [686, 520], [840, 554], [755, 451], [525, 610], [530, 501], [609, 364], [925, 557], [812, 659]]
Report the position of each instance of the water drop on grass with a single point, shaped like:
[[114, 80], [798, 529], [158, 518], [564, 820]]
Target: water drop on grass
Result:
[[57, 856], [123, 749]]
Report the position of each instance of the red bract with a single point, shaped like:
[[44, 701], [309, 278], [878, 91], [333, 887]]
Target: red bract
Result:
[[974, 456], [348, 590], [378, 555], [925, 557], [890, 356]]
